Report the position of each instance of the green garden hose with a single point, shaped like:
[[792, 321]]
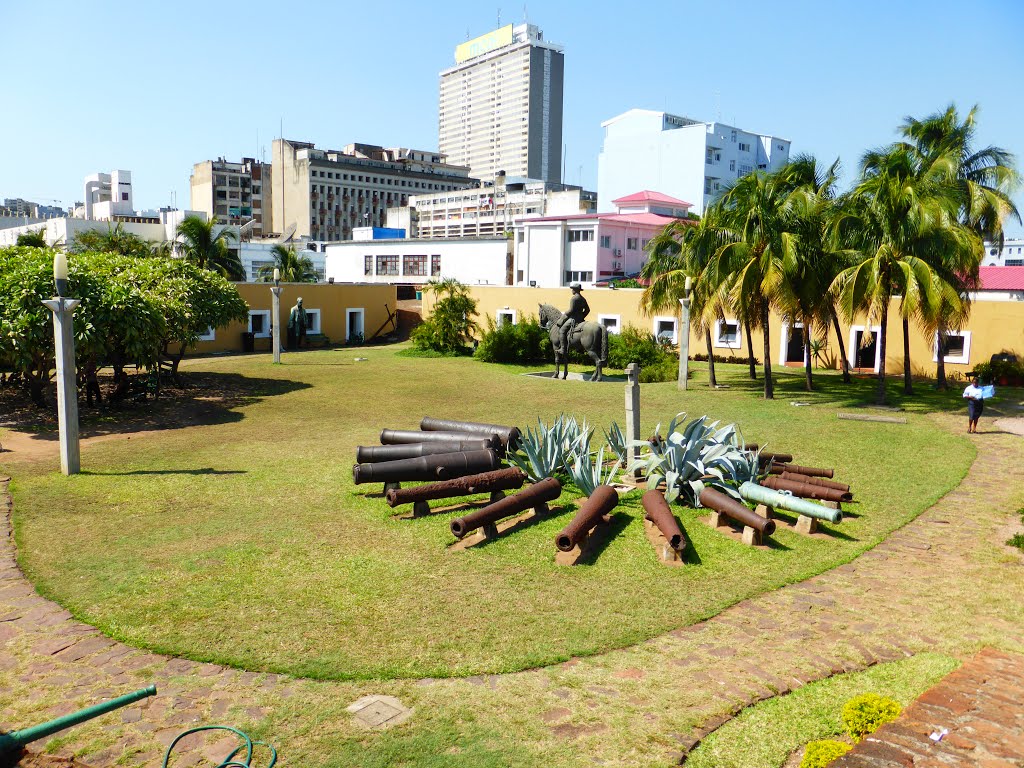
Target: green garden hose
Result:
[[229, 761]]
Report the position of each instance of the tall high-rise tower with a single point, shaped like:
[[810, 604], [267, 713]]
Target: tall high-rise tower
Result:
[[501, 105]]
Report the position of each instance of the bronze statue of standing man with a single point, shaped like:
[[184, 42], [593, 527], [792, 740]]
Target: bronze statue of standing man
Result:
[[296, 325], [575, 314]]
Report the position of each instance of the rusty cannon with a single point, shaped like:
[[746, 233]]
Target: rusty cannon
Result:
[[404, 436], [601, 502], [766, 457], [723, 504], [658, 512], [815, 481], [806, 490], [509, 435], [438, 466], [371, 454], [788, 502], [485, 482], [778, 469], [12, 744], [534, 497]]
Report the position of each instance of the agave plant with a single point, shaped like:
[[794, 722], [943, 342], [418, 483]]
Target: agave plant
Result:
[[618, 443], [586, 473], [542, 451]]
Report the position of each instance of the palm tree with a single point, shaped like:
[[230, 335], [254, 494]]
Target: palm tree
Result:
[[752, 266], [116, 239], [198, 243], [293, 268]]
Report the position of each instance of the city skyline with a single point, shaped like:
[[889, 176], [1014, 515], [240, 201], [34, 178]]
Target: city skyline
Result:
[[835, 81]]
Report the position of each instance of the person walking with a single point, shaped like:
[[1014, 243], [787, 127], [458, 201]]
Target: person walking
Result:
[[975, 404]]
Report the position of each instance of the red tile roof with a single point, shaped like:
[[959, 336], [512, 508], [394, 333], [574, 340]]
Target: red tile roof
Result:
[[628, 218], [647, 196], [1002, 278]]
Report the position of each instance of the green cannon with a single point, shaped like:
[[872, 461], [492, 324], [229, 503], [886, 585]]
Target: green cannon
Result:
[[11, 744], [780, 500]]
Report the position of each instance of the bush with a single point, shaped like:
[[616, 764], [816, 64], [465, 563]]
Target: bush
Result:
[[666, 370], [819, 754], [633, 345], [450, 324], [523, 343], [867, 712], [1017, 540], [701, 358], [1007, 372]]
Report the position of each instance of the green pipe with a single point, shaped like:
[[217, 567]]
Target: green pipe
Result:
[[780, 500], [12, 743]]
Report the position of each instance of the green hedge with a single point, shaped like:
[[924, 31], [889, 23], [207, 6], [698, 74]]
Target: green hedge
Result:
[[523, 343]]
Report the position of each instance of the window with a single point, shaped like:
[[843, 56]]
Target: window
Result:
[[727, 334], [734, 137], [707, 186], [606, 241], [631, 243], [956, 347], [259, 323], [367, 264], [312, 321], [414, 265], [732, 165], [665, 329], [435, 266], [578, 277], [124, 196], [581, 235], [744, 147], [210, 335], [643, 243], [612, 323], [387, 265], [503, 316], [1015, 262]]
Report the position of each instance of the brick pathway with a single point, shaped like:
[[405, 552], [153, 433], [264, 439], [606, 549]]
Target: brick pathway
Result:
[[981, 705], [942, 582]]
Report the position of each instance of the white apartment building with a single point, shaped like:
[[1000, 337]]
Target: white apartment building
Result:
[[683, 158], [471, 261], [62, 232], [323, 194], [232, 193], [106, 196], [1011, 254], [256, 255], [488, 210], [501, 105]]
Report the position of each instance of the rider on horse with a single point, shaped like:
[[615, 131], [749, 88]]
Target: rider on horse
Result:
[[575, 314]]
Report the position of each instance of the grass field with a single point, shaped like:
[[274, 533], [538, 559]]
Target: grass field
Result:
[[244, 541]]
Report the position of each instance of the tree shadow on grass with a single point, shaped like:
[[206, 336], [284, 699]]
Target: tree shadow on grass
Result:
[[203, 471], [208, 398]]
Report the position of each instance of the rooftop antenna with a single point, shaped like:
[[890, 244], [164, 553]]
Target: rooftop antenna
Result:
[[499, 17], [526, 16], [718, 105]]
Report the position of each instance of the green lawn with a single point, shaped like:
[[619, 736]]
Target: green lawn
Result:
[[245, 542]]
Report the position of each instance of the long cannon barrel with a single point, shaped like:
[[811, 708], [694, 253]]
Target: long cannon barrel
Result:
[[508, 435], [602, 501], [778, 469], [815, 481], [774, 458], [486, 482], [438, 466], [531, 497], [806, 490], [12, 743], [370, 454], [762, 495], [403, 436], [658, 512], [728, 506]]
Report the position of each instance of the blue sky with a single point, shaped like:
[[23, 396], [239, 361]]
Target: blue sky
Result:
[[155, 88]]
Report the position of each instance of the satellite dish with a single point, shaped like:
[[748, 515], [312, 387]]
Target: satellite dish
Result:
[[246, 228], [289, 233]]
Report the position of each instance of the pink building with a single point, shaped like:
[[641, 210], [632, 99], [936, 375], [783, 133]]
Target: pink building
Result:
[[552, 251]]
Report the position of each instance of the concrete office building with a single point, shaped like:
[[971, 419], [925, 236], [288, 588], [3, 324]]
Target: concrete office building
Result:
[[501, 105], [107, 196], [1010, 254], [683, 158], [233, 193], [323, 194]]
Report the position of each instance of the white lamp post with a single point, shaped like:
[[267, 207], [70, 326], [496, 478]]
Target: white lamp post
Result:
[[275, 325], [67, 387], [684, 336]]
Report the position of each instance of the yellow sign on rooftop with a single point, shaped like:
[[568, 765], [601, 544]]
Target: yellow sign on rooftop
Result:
[[483, 44]]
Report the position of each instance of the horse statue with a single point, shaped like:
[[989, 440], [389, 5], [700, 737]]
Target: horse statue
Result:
[[590, 338]]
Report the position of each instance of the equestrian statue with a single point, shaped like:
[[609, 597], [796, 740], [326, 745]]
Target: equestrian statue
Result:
[[569, 330]]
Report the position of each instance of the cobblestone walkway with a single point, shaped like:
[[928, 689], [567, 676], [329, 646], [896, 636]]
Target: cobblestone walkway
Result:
[[981, 709], [943, 582]]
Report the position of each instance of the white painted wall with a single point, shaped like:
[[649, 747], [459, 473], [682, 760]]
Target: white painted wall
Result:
[[472, 261]]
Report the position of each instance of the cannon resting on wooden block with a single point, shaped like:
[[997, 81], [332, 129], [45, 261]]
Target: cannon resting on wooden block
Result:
[[778, 469], [486, 482], [509, 435], [370, 454], [806, 490], [403, 436], [658, 512], [815, 481], [438, 466], [728, 506], [781, 500], [602, 501], [533, 497]]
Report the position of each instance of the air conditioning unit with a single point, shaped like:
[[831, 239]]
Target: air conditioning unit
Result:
[[618, 251]]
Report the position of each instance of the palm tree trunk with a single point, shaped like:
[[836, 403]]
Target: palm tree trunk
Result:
[[712, 381], [769, 389], [750, 349], [908, 385], [842, 346], [940, 365], [809, 381], [881, 355]]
